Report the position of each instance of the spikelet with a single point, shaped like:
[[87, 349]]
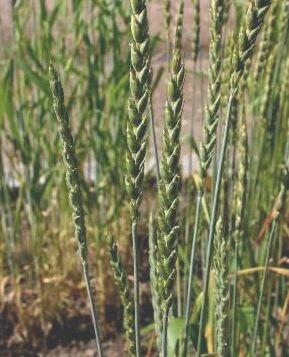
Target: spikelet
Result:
[[125, 296], [137, 116]]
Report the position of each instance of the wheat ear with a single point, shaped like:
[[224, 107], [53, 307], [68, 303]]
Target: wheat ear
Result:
[[168, 18], [154, 279], [267, 85], [169, 188], [284, 21], [239, 200], [255, 16], [221, 290], [136, 131], [125, 296], [195, 30], [266, 43], [214, 91], [74, 187], [226, 10], [179, 27]]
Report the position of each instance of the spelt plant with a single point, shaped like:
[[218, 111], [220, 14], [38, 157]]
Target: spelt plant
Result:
[[125, 296], [254, 20], [214, 91], [74, 187], [241, 180], [284, 21], [93, 51], [179, 27], [168, 18], [249, 32], [169, 189], [267, 42], [136, 131], [210, 132], [195, 50], [239, 199], [154, 279], [221, 290], [268, 83], [276, 217]]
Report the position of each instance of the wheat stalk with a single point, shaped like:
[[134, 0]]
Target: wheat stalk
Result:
[[125, 296], [239, 200], [169, 188], [277, 211], [74, 187], [136, 131], [254, 19], [210, 130], [137, 116]]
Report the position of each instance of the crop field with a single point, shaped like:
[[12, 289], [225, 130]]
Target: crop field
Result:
[[144, 178]]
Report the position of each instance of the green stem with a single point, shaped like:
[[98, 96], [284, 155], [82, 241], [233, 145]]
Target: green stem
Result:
[[165, 334], [189, 291], [92, 308], [213, 220], [136, 287], [268, 251], [178, 288], [233, 328]]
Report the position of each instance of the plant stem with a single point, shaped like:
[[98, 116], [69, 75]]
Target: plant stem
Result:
[[165, 334], [268, 251], [213, 220], [136, 286], [92, 308], [233, 327], [192, 258]]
